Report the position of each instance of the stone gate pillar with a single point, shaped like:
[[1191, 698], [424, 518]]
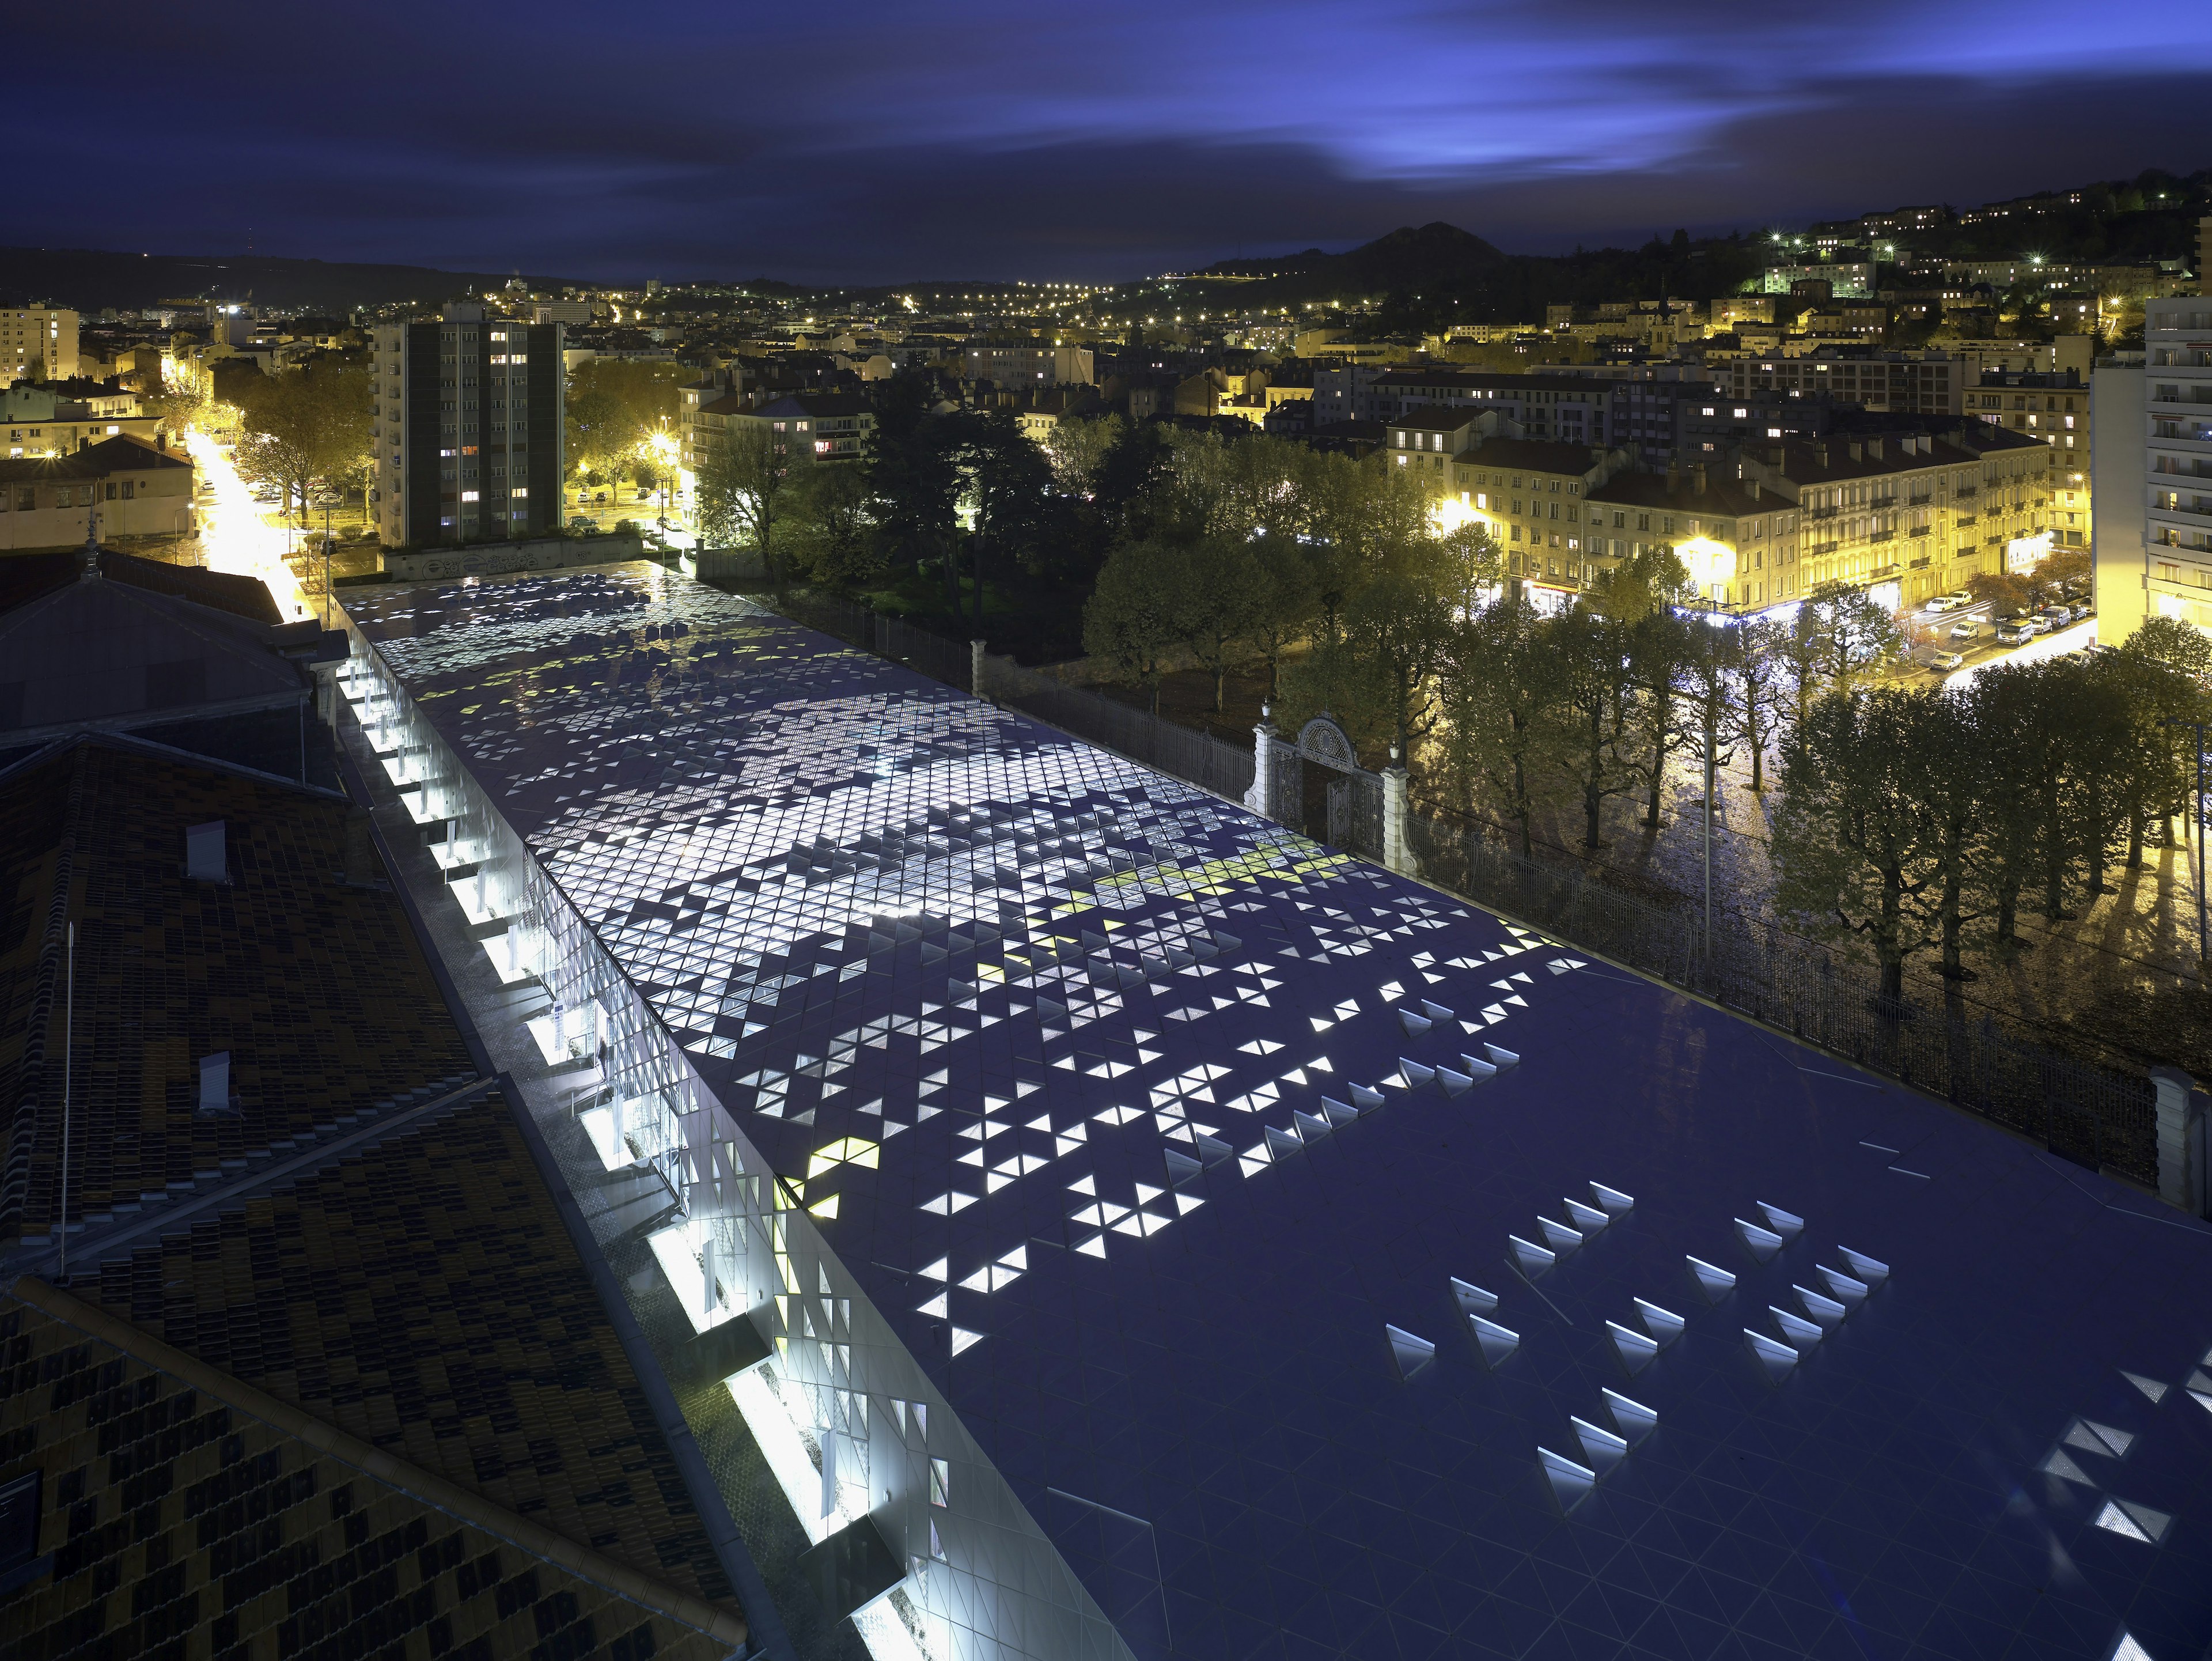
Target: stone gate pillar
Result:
[[1263, 763], [978, 675], [2180, 1140], [1397, 854]]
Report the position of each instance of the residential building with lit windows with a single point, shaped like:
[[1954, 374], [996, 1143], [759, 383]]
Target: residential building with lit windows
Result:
[[1574, 409], [1034, 364], [1930, 384], [56, 418], [1910, 516], [1530, 492], [2054, 408], [36, 340], [817, 426], [1736, 535], [2176, 461], [468, 429]]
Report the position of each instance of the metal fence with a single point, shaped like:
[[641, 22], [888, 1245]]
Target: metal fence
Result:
[[2089, 1114], [2092, 1115]]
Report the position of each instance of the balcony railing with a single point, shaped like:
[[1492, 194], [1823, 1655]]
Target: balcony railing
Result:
[[1880, 536], [1920, 501], [1889, 500], [1919, 531], [1823, 513], [1965, 491]]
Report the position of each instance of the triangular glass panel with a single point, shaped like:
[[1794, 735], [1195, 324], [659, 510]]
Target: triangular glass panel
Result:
[[1636, 1420], [1453, 1083], [1500, 1059], [1570, 1481], [1337, 1111], [1636, 1350], [1826, 1311], [1853, 1292], [1872, 1271], [2150, 1387], [1415, 1025], [2094, 1437], [1613, 1199], [1559, 1236], [1480, 1071], [1414, 1073], [1788, 1225], [1496, 1342], [1802, 1333], [1309, 1126], [1437, 1012], [1366, 1098], [1181, 1167], [2056, 1464], [2154, 1523], [1601, 1448], [1715, 1282], [1281, 1142], [1762, 1243], [1411, 1354], [1211, 1150], [2120, 1523], [1777, 1359], [1587, 1218], [1472, 1300], [1533, 1258], [2124, 1648], [1664, 1324]]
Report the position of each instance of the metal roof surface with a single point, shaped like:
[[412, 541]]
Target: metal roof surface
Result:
[[1158, 1132]]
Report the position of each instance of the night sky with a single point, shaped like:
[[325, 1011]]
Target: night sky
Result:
[[868, 142]]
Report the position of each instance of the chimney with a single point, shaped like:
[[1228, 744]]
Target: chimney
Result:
[[1673, 476], [1753, 483], [1820, 453], [1874, 448], [1858, 450], [1698, 480], [205, 857]]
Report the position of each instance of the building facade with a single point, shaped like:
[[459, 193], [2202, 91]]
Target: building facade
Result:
[[1033, 365], [2056, 409], [468, 429], [55, 417], [2177, 461], [119, 487], [1930, 385], [37, 338]]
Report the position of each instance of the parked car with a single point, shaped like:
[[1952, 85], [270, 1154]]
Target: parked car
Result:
[[1945, 603], [592, 531], [1945, 661], [1967, 630], [2015, 634], [581, 522]]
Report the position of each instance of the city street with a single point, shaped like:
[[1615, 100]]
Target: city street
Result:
[[237, 533]]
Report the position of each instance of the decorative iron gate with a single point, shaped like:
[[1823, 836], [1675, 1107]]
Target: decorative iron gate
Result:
[[1345, 809]]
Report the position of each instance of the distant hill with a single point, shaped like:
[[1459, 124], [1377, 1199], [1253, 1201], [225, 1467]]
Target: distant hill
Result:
[[1431, 275], [1405, 258], [93, 278]]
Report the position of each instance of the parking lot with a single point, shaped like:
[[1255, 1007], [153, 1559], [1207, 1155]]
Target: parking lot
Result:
[[1933, 638]]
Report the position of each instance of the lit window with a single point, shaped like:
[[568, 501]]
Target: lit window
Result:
[[468, 495], [940, 1481], [520, 491]]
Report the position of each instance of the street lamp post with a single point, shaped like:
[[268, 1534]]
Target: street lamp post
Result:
[[326, 499]]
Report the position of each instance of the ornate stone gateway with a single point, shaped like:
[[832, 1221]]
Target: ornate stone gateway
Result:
[[1317, 785]]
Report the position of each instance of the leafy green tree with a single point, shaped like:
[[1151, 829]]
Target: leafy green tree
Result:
[[1496, 684], [304, 426], [1136, 612], [829, 530], [1596, 683], [615, 410], [1861, 639], [1799, 649], [1660, 649], [1760, 676], [744, 477], [1223, 590], [914, 474], [1285, 601], [1077, 450], [1849, 851], [1400, 620]]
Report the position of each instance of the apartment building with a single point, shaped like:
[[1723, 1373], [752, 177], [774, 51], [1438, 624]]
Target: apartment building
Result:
[[37, 338], [1910, 516], [1736, 536], [1930, 385], [811, 427], [468, 427], [54, 417], [2054, 409], [2175, 477], [119, 487], [1033, 364], [1533, 493], [1569, 409]]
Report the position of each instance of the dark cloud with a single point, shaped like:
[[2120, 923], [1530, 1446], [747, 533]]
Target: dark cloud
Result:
[[998, 138]]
